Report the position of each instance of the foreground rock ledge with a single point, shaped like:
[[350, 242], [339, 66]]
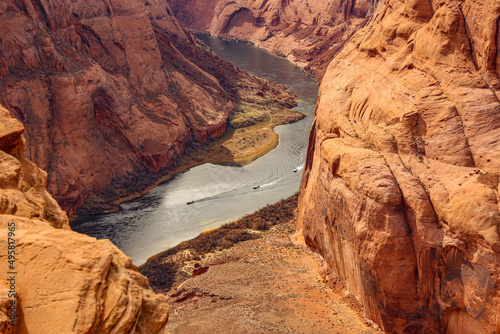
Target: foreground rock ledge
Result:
[[400, 190], [65, 282]]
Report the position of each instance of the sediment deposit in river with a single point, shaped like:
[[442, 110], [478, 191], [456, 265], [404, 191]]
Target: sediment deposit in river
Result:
[[161, 219]]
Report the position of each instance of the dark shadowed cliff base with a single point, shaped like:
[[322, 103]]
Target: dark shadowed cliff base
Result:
[[240, 144]]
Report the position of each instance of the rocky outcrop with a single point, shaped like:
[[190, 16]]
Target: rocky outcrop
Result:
[[249, 277], [400, 191], [22, 183], [102, 91], [60, 281], [309, 33]]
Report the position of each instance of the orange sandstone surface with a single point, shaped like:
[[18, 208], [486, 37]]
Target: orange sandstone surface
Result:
[[65, 282], [400, 191]]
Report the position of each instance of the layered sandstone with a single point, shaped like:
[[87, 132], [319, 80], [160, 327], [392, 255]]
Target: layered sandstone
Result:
[[64, 282], [309, 33], [102, 91], [400, 192]]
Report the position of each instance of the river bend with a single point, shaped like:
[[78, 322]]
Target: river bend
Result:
[[161, 219]]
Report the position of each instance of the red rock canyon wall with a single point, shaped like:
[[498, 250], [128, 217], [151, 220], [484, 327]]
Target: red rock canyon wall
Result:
[[102, 91], [400, 192], [309, 33]]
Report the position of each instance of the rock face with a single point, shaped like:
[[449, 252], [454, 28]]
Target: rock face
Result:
[[65, 282], [309, 33], [102, 91], [400, 192], [22, 183]]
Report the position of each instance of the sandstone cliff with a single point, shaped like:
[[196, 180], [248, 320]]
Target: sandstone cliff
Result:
[[309, 33], [102, 91], [65, 282], [400, 192]]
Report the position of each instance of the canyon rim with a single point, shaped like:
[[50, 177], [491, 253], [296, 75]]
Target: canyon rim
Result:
[[400, 188]]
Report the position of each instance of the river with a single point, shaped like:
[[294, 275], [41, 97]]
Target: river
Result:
[[161, 219]]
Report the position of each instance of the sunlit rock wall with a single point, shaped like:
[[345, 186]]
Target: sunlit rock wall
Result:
[[400, 192]]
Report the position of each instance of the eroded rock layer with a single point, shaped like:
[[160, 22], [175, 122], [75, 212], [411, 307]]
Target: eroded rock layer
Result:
[[400, 192], [309, 33], [56, 280], [102, 91]]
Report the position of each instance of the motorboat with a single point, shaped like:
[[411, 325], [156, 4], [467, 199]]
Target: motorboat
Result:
[[256, 187], [189, 203]]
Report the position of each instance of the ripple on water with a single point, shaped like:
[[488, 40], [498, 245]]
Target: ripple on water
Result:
[[161, 219]]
